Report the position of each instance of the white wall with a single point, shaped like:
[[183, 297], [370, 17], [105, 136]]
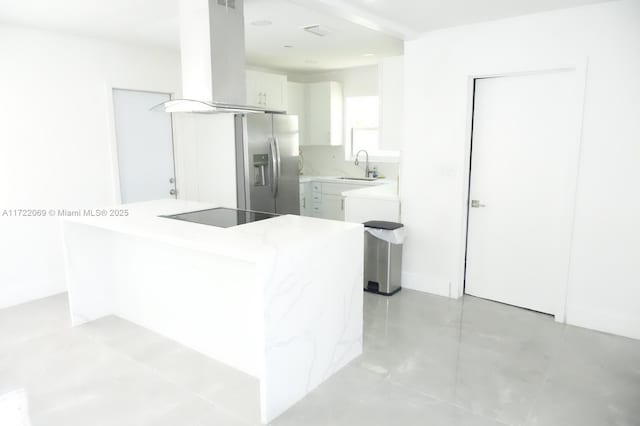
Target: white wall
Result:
[[604, 290], [329, 160], [54, 141]]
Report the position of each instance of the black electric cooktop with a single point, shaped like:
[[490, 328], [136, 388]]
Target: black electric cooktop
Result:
[[221, 217]]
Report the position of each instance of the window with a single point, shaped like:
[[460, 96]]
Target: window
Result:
[[362, 118]]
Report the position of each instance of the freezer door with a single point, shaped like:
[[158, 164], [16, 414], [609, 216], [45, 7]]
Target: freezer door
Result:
[[285, 133], [261, 158]]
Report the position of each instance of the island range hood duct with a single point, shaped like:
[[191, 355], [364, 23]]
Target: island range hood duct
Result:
[[212, 54]]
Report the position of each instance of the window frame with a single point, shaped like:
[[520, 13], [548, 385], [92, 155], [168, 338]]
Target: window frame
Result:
[[350, 130]]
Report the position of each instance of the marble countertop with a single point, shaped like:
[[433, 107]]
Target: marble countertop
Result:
[[337, 179], [246, 242], [386, 191]]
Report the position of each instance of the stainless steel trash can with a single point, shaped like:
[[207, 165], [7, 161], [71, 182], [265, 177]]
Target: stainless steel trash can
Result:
[[382, 260]]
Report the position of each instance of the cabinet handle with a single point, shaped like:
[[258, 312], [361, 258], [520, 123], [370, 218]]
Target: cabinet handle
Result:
[[304, 202], [342, 204]]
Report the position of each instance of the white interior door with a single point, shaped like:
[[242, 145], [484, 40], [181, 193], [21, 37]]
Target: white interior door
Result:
[[145, 146], [521, 201]]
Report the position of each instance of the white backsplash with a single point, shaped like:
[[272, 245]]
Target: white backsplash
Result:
[[329, 161]]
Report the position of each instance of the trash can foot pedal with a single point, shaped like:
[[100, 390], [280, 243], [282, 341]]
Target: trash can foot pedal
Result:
[[374, 287]]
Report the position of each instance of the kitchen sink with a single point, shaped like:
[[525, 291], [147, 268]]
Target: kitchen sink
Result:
[[356, 178]]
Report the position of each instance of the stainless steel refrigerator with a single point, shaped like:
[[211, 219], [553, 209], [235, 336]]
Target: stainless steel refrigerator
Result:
[[267, 163]]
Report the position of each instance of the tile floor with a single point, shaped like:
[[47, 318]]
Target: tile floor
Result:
[[428, 360]]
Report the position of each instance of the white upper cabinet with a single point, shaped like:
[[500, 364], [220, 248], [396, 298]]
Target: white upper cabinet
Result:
[[391, 93], [296, 106], [324, 113], [267, 90]]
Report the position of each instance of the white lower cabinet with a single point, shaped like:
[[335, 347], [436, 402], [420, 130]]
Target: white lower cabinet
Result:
[[332, 207], [324, 199], [360, 210], [305, 199]]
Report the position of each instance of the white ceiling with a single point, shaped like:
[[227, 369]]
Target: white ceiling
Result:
[[409, 18], [155, 22], [356, 27], [343, 47]]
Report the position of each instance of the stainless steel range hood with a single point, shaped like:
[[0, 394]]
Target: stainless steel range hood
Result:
[[204, 107], [212, 52]]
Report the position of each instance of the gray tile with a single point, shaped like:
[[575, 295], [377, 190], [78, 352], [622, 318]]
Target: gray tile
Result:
[[391, 404], [30, 320], [72, 380], [427, 360], [231, 391], [331, 402], [593, 379]]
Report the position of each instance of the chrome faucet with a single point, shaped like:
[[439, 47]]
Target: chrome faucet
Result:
[[357, 162]]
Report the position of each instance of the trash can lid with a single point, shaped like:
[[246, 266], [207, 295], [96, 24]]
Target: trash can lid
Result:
[[381, 224]]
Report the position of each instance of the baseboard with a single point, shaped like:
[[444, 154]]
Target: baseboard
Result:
[[419, 282], [623, 324]]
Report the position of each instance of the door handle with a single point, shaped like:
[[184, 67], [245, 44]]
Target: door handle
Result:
[[272, 154], [278, 163], [275, 165], [476, 204]]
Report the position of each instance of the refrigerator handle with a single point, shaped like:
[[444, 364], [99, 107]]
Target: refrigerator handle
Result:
[[279, 163], [273, 151]]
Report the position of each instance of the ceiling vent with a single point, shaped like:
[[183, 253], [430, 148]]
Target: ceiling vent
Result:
[[316, 30]]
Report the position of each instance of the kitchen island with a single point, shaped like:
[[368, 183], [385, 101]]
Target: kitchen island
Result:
[[279, 299]]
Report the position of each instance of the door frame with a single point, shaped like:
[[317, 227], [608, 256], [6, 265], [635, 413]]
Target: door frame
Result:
[[113, 142], [580, 69]]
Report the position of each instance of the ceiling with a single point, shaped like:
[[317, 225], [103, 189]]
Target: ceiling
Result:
[[409, 18], [155, 22], [360, 31], [345, 45]]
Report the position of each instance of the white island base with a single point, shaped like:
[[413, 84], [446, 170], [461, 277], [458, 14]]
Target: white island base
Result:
[[279, 299]]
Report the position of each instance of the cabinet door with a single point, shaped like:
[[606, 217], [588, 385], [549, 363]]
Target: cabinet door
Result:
[[360, 210], [391, 87], [318, 114], [296, 95], [275, 91], [254, 90], [267, 90], [306, 199], [324, 113], [332, 207], [336, 104], [303, 200]]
